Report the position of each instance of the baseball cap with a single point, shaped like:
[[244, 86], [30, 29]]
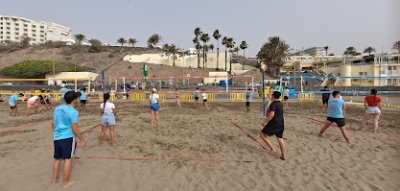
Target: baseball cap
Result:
[[71, 96], [154, 89]]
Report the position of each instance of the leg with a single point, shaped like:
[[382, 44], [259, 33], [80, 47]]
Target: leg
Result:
[[36, 108], [27, 110], [376, 120], [205, 103], [11, 112], [16, 109], [267, 141], [282, 147], [344, 133], [56, 169], [151, 116], [156, 114], [326, 126], [103, 133], [66, 172], [112, 135], [364, 121]]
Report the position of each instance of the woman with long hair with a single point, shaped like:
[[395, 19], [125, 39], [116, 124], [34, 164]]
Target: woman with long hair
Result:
[[178, 104], [108, 119], [373, 107], [154, 106]]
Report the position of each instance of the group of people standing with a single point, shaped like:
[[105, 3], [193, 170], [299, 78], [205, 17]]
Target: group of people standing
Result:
[[43, 98]]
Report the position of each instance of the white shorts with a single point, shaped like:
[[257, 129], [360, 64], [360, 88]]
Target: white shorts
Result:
[[11, 104], [373, 110]]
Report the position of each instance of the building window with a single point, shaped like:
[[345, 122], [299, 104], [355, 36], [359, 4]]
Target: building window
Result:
[[8, 28], [16, 24], [8, 23], [17, 29], [33, 26], [33, 34], [8, 37], [33, 39], [16, 38], [42, 40], [26, 30], [8, 33], [25, 25], [42, 27], [17, 33], [382, 72], [42, 36], [42, 31], [33, 30]]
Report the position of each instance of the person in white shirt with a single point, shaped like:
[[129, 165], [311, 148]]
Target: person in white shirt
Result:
[[155, 106], [32, 103], [108, 119], [204, 96]]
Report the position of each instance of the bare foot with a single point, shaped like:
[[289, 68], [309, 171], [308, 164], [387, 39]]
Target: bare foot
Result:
[[54, 182], [115, 144], [282, 157], [68, 184]]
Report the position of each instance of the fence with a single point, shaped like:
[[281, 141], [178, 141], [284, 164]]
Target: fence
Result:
[[303, 97]]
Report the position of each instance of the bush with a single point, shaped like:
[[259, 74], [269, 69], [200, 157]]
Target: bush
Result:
[[33, 68]]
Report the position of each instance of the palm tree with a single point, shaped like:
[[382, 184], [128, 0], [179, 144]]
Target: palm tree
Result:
[[211, 46], [369, 50], [350, 51], [225, 43], [217, 36], [243, 46], [231, 45], [171, 50], [122, 41], [197, 33], [132, 41], [153, 40], [204, 38], [273, 53], [79, 38], [396, 46], [236, 49], [205, 49]]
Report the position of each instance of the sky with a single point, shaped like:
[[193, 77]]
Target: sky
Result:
[[301, 23]]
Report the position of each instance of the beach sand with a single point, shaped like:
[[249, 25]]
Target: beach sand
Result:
[[194, 149]]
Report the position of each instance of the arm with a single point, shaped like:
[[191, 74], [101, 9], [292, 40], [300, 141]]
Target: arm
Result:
[[114, 111], [52, 123], [78, 134], [366, 104], [268, 118], [344, 110], [380, 106], [159, 104]]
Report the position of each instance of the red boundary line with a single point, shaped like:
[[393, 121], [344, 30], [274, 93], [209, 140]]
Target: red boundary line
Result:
[[98, 125], [165, 159], [362, 134], [22, 127], [254, 139]]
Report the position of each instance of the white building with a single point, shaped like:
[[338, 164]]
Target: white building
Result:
[[13, 28]]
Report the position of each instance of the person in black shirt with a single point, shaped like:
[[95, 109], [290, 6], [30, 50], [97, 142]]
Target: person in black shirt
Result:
[[325, 98], [274, 124]]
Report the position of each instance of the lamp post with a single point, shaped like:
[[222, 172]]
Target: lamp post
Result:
[[263, 67]]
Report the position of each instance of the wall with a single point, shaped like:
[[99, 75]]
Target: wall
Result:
[[354, 70], [187, 61]]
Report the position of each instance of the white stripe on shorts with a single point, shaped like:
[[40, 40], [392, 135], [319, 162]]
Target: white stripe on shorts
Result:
[[73, 147]]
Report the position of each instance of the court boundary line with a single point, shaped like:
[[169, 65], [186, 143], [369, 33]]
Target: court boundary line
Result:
[[165, 159], [23, 127]]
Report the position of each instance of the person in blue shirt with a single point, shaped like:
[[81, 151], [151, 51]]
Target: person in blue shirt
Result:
[[196, 96], [12, 102], [63, 90], [83, 97], [65, 126], [249, 99], [336, 111]]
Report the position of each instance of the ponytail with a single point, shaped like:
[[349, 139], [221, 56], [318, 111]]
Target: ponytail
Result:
[[374, 92], [105, 98]]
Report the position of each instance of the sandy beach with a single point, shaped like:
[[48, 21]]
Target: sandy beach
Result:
[[195, 149]]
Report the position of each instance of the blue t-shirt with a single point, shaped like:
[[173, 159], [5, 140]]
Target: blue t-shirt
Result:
[[335, 108], [13, 99], [83, 95], [63, 90], [250, 98], [196, 94], [64, 116]]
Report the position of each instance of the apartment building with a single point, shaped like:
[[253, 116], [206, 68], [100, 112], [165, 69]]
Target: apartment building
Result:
[[313, 51], [14, 28]]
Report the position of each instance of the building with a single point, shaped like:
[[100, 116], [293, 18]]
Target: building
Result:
[[69, 78], [313, 51], [14, 28]]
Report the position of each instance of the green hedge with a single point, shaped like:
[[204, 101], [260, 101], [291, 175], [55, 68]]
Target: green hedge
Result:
[[33, 68]]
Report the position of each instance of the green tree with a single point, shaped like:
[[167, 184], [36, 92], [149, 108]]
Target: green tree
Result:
[[95, 46], [243, 45], [25, 40], [273, 53], [211, 46], [369, 50], [204, 38], [396, 46], [217, 36], [38, 68], [153, 40], [132, 41], [196, 42], [350, 51], [171, 50], [122, 41], [231, 45], [79, 38], [225, 43]]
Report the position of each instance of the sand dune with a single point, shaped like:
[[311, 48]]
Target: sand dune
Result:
[[193, 149]]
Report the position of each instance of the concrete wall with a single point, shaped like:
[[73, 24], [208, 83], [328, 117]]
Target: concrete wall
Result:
[[355, 70], [186, 61]]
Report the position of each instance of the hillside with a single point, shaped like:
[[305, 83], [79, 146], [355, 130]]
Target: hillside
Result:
[[110, 61]]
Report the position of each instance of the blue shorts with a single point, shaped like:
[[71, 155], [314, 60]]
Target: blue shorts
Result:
[[64, 148], [108, 119], [155, 107]]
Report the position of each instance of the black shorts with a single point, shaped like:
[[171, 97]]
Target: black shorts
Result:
[[285, 98], [248, 103], [340, 122], [64, 148], [325, 101], [270, 130], [42, 102], [47, 101], [196, 98], [204, 100], [83, 102]]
